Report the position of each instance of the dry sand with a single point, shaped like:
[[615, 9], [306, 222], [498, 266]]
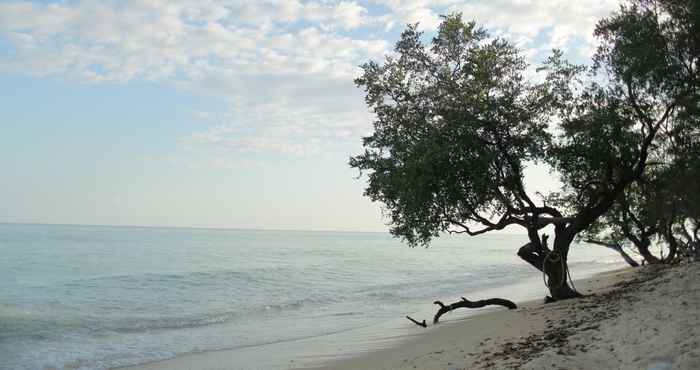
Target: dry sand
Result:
[[644, 318]]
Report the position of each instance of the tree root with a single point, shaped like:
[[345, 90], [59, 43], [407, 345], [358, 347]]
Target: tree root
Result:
[[471, 304]]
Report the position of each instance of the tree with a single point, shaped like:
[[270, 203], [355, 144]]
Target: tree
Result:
[[682, 224], [457, 123], [639, 217], [651, 47], [660, 209]]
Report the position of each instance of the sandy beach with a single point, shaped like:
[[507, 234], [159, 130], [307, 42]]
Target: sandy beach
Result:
[[644, 318]]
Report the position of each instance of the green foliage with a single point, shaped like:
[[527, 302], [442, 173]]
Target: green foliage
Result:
[[637, 216], [651, 49], [598, 142], [457, 122], [652, 44], [454, 126]]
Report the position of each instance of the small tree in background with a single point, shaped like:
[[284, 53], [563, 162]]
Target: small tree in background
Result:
[[457, 123], [637, 220], [651, 48], [682, 230]]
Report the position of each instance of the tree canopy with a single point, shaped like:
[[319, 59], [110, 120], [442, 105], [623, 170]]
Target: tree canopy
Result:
[[455, 124]]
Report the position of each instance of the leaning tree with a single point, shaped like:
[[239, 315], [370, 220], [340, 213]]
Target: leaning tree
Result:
[[458, 121]]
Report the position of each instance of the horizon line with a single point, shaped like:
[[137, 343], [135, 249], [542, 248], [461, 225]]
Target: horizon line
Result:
[[213, 228], [183, 227]]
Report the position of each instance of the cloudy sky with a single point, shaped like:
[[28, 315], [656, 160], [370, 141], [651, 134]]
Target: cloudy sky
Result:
[[215, 113]]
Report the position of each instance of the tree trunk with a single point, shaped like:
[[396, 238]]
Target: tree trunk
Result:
[[694, 250], [643, 249], [552, 263], [557, 278], [672, 245]]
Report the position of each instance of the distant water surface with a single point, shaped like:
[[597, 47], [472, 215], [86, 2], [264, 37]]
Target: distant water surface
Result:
[[98, 297]]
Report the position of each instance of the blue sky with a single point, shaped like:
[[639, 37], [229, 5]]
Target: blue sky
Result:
[[215, 113]]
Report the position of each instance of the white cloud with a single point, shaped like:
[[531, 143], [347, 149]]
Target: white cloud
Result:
[[347, 15], [350, 14], [306, 116], [174, 39], [424, 12], [286, 66], [532, 24], [540, 24]]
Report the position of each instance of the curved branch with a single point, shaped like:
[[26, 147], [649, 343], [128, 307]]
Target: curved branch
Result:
[[465, 303], [616, 247], [500, 225]]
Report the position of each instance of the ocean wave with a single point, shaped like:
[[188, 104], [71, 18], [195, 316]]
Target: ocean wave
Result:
[[192, 279], [138, 324]]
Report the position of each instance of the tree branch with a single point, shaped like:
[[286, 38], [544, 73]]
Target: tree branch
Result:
[[500, 225], [419, 323], [618, 248]]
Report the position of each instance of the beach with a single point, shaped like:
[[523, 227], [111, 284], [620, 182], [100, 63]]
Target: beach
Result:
[[644, 318]]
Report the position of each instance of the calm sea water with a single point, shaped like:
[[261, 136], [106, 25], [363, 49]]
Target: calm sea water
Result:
[[93, 297]]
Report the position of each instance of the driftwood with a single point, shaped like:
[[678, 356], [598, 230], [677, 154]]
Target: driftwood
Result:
[[471, 304], [419, 323]]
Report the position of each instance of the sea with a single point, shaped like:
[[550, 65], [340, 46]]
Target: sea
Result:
[[104, 297]]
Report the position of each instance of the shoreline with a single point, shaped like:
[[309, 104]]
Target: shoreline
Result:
[[643, 318], [350, 350], [446, 345]]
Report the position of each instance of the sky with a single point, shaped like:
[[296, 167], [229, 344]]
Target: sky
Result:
[[217, 113]]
